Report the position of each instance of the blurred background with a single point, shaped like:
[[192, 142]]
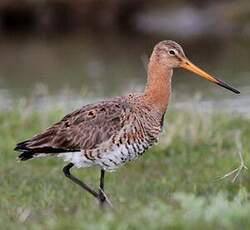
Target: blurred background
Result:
[[88, 49]]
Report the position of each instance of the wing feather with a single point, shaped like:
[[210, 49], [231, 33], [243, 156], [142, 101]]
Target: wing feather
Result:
[[85, 128]]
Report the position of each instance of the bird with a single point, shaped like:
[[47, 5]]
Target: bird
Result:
[[109, 133]]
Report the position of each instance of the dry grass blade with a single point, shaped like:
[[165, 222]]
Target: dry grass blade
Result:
[[242, 165]]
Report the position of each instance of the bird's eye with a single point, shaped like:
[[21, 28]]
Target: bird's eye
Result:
[[171, 52]]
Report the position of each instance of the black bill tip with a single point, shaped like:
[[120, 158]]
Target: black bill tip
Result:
[[226, 86]]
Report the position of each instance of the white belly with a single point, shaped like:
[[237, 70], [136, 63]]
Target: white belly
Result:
[[109, 160], [118, 156], [77, 158]]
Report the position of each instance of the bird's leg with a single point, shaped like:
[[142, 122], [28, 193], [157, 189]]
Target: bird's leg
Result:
[[102, 180], [67, 173], [102, 196]]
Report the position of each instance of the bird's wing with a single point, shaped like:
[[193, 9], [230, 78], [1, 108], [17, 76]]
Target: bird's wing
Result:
[[85, 128]]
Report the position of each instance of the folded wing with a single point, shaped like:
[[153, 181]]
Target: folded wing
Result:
[[85, 128]]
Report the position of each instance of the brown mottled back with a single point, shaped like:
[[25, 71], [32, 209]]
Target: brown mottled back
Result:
[[85, 128]]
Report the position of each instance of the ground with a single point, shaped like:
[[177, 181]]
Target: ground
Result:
[[174, 185]]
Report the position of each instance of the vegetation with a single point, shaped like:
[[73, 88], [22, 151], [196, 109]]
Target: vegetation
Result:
[[175, 184]]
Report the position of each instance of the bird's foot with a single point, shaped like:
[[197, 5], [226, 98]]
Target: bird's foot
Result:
[[103, 199]]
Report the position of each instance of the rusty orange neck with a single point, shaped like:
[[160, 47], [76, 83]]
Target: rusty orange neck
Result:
[[158, 89]]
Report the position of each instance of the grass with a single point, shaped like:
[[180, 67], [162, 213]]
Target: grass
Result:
[[174, 185]]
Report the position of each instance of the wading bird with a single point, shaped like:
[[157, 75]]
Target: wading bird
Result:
[[112, 132]]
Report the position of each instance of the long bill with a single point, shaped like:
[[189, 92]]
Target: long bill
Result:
[[186, 64]]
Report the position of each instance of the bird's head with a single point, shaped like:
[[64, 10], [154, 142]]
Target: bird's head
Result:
[[171, 55]]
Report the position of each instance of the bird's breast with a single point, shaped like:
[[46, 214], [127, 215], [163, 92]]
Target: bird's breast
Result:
[[122, 153], [131, 142]]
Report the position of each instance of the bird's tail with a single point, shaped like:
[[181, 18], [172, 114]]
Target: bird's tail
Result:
[[30, 151], [27, 153]]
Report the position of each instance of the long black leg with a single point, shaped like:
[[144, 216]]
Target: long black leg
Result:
[[67, 173], [103, 199], [102, 196], [102, 180]]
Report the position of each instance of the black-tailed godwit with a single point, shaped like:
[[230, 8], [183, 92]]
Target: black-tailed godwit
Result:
[[112, 132]]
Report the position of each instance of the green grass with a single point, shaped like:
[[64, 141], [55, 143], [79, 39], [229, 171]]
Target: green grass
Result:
[[174, 185]]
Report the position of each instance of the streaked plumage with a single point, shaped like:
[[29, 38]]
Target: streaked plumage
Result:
[[106, 134], [112, 132]]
